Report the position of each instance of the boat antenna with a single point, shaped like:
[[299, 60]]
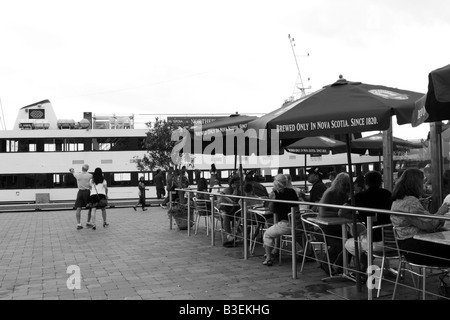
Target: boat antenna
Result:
[[299, 82], [3, 115]]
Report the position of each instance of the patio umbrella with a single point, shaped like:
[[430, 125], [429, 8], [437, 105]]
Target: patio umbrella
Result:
[[374, 145], [228, 136], [343, 107], [435, 104], [226, 127], [316, 146]]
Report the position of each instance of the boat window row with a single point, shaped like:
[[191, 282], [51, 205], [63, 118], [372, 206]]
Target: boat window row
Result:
[[72, 144], [67, 180]]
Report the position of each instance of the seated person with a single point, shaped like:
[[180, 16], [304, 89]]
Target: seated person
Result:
[[258, 189], [202, 185], [318, 187], [282, 210], [301, 196], [372, 197], [338, 193], [228, 211], [406, 198], [249, 192]]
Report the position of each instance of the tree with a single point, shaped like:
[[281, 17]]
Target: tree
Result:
[[159, 147]]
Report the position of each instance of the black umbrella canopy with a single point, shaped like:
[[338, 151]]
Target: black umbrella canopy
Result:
[[435, 104], [316, 145], [343, 107], [229, 136], [374, 144], [234, 121]]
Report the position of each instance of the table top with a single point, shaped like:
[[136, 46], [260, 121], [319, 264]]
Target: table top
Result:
[[261, 210], [229, 204], [442, 237], [330, 221]]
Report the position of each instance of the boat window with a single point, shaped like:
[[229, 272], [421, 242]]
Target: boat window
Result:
[[121, 179]]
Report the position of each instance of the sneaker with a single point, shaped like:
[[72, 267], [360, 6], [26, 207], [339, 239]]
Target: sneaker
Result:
[[79, 227], [88, 225], [105, 224], [144, 209], [268, 263], [162, 206]]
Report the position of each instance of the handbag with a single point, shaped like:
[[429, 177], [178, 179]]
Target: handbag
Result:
[[102, 203]]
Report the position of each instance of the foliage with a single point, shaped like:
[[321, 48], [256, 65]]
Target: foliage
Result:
[[179, 212], [159, 147]]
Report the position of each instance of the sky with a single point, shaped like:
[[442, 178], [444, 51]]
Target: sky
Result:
[[206, 57]]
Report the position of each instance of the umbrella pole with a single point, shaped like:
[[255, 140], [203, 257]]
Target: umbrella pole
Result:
[[306, 176], [352, 197]]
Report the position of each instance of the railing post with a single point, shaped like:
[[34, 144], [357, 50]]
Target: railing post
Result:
[[170, 207], [189, 214], [244, 214], [369, 254], [294, 245], [213, 236]]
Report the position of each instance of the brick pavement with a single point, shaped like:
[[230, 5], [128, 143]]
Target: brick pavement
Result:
[[139, 258]]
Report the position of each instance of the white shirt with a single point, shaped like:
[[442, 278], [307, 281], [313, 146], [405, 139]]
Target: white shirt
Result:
[[101, 187]]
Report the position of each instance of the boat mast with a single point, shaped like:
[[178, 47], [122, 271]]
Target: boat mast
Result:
[[2, 116], [299, 88]]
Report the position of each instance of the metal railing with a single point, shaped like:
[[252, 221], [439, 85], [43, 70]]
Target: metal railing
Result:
[[294, 230]]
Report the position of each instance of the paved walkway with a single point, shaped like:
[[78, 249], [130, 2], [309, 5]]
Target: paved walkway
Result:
[[139, 258]]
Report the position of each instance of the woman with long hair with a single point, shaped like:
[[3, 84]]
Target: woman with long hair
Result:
[[280, 191], [99, 191], [338, 193], [406, 198]]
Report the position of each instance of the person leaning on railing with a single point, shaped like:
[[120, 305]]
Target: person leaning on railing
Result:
[[405, 196]]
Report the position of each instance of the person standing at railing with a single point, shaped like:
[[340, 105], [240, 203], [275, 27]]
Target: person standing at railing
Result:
[[406, 198], [169, 184], [183, 183], [159, 184]]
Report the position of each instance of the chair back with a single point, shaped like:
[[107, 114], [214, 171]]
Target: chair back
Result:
[[201, 207], [390, 247], [397, 247], [311, 229]]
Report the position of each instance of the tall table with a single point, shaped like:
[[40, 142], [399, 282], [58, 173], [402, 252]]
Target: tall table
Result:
[[442, 237], [266, 212], [334, 221], [233, 205]]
